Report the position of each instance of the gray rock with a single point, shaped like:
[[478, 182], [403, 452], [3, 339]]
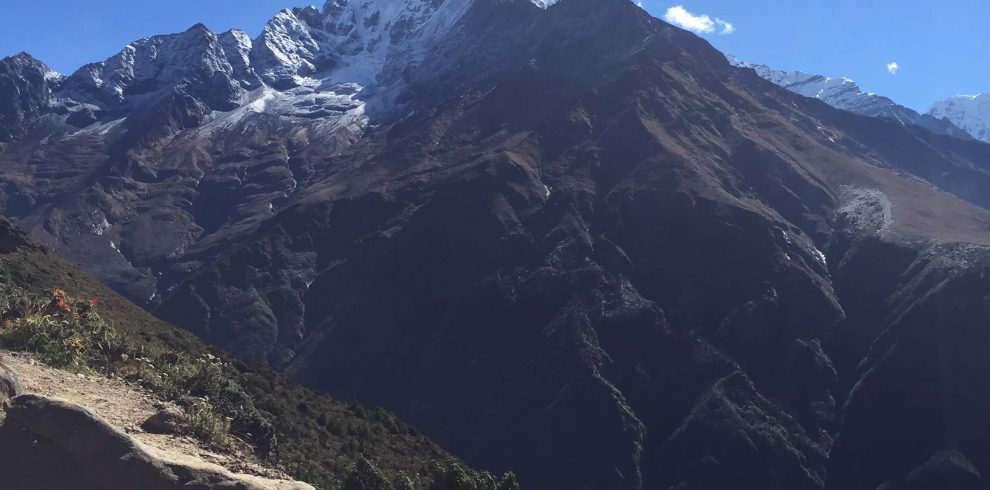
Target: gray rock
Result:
[[10, 387], [167, 421], [92, 454]]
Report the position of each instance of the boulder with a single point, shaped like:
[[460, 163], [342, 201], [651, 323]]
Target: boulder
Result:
[[91, 454], [9, 385], [166, 421]]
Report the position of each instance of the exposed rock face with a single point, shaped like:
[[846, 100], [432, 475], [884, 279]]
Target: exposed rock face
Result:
[[25, 94], [732, 432], [573, 242], [10, 387], [91, 454]]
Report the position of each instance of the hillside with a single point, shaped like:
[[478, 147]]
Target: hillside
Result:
[[121, 409], [275, 422]]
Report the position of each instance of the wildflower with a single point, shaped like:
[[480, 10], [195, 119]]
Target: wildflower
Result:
[[93, 302], [76, 344]]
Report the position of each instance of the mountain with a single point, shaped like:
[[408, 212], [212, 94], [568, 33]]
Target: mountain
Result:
[[25, 88], [137, 124], [969, 112], [845, 94], [575, 241]]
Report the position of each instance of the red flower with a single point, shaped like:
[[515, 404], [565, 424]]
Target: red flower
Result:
[[93, 302]]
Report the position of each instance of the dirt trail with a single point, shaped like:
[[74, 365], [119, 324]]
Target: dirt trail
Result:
[[125, 406]]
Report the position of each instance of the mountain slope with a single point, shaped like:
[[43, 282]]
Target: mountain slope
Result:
[[970, 112], [312, 436], [843, 93], [575, 242]]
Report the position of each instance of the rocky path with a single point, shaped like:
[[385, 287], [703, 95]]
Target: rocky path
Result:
[[125, 407]]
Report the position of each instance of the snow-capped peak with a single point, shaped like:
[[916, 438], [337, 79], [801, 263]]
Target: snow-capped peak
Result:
[[839, 92], [194, 57], [351, 40], [843, 93], [343, 63], [969, 112]]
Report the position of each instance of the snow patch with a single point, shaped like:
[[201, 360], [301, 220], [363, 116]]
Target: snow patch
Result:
[[100, 228], [819, 256]]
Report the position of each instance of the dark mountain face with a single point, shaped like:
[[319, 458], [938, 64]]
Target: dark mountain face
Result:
[[572, 242], [25, 92]]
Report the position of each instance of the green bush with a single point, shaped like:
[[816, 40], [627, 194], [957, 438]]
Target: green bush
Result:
[[64, 333], [204, 422], [365, 476], [71, 335], [450, 475]]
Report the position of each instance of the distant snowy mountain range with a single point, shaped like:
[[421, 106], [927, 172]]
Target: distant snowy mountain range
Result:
[[969, 112], [962, 116]]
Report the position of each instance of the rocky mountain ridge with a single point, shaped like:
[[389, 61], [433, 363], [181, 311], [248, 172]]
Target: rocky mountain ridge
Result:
[[364, 44], [843, 93]]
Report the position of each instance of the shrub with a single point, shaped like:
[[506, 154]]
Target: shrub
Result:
[[206, 424], [365, 476], [70, 334], [64, 333], [450, 475]]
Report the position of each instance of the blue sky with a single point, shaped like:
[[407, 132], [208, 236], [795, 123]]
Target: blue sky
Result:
[[941, 48]]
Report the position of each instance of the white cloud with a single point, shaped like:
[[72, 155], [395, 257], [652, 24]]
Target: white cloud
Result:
[[699, 24], [892, 67]]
